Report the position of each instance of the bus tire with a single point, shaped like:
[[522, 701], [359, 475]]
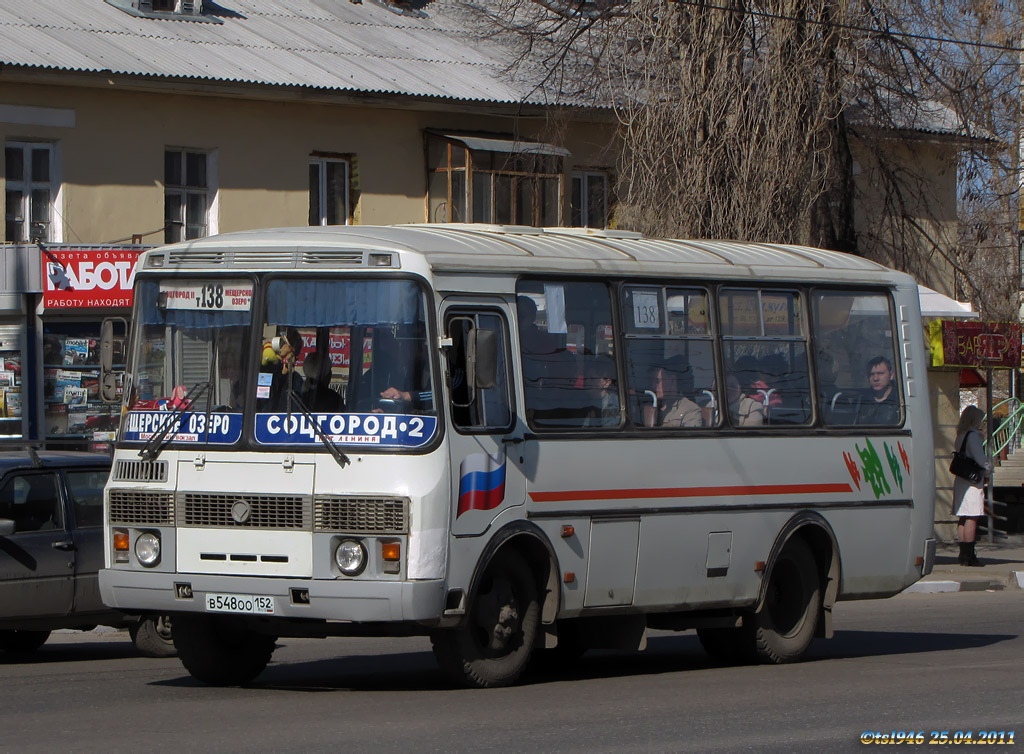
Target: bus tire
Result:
[[17, 641], [785, 624], [220, 651], [493, 644], [151, 635]]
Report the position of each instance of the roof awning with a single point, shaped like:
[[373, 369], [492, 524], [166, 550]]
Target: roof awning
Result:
[[511, 146], [935, 304]]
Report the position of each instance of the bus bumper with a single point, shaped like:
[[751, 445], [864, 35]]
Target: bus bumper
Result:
[[341, 599]]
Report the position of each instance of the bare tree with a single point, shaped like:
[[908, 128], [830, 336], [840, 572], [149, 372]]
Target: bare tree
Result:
[[762, 119]]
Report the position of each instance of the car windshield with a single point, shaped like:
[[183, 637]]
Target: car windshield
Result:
[[350, 355]]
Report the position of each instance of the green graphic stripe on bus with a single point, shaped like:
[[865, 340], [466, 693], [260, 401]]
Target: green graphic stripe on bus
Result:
[[730, 490]]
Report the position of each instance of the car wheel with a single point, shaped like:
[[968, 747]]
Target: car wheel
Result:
[[151, 635], [22, 641]]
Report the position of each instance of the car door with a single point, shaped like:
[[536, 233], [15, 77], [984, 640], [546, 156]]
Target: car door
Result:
[[37, 561], [85, 497]]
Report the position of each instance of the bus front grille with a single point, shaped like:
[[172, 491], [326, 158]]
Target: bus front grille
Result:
[[140, 471], [360, 514], [140, 507], [244, 510]]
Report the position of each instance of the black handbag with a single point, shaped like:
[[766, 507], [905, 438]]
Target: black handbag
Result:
[[964, 466]]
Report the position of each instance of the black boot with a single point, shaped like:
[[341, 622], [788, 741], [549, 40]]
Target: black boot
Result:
[[972, 556], [964, 550]]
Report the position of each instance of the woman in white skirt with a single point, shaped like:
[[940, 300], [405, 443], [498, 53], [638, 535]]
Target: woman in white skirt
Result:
[[969, 497]]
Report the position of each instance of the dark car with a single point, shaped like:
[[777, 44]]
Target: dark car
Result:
[[51, 550]]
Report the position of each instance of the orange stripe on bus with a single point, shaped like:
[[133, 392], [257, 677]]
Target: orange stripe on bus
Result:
[[733, 490]]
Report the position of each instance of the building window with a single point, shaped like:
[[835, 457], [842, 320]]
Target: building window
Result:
[[187, 192], [589, 199], [329, 191], [486, 180], [30, 193]]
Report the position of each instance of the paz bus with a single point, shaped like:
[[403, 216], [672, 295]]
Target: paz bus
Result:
[[517, 441]]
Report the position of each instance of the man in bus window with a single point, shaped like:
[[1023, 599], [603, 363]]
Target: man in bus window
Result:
[[881, 404]]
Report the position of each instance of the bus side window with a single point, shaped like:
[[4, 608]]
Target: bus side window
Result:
[[561, 327], [857, 369], [477, 408]]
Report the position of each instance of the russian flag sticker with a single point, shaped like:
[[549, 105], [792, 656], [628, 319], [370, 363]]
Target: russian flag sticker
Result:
[[481, 482]]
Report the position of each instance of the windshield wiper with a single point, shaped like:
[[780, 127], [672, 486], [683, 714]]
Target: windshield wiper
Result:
[[331, 446], [159, 440]]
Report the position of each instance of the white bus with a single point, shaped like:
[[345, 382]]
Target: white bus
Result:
[[516, 441]]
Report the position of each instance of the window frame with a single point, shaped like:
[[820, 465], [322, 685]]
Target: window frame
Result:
[[320, 163], [27, 185], [459, 159], [177, 230], [579, 213]]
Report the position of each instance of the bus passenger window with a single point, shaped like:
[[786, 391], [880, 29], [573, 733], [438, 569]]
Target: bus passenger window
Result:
[[669, 357], [561, 329], [765, 349], [858, 382]]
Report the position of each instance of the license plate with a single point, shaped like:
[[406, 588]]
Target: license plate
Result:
[[239, 603]]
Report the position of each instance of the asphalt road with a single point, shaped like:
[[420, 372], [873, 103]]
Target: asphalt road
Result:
[[920, 662]]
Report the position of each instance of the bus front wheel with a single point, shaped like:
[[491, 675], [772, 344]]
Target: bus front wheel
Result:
[[220, 651], [493, 644], [785, 624]]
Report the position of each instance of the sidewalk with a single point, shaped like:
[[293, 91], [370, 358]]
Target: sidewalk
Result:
[[1002, 568]]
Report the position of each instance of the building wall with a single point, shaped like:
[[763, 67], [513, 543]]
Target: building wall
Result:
[[906, 206], [111, 160]]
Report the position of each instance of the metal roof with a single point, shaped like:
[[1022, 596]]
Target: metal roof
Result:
[[454, 248], [333, 45]]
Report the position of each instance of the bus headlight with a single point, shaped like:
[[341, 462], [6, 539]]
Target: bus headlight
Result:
[[147, 549], [350, 555]]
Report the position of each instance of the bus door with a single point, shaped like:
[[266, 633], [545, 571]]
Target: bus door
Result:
[[485, 479]]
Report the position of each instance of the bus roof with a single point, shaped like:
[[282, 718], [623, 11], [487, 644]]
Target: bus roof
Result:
[[467, 248]]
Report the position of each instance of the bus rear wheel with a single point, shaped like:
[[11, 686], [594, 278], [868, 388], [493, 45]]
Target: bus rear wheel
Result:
[[785, 624], [220, 651], [493, 644]]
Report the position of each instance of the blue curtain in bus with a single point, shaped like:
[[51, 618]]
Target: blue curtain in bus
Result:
[[150, 313], [324, 303]]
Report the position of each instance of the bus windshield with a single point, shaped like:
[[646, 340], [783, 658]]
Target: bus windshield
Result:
[[189, 356], [351, 353], [343, 358]]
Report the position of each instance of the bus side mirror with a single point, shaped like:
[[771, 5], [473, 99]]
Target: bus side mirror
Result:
[[108, 379], [482, 358]]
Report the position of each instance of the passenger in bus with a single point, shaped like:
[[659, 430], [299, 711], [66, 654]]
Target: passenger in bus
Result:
[[752, 382], [743, 410], [671, 383], [881, 402], [316, 393], [605, 412], [278, 359]]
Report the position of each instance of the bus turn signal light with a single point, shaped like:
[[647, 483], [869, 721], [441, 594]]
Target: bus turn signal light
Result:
[[568, 531], [391, 551], [121, 539]]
